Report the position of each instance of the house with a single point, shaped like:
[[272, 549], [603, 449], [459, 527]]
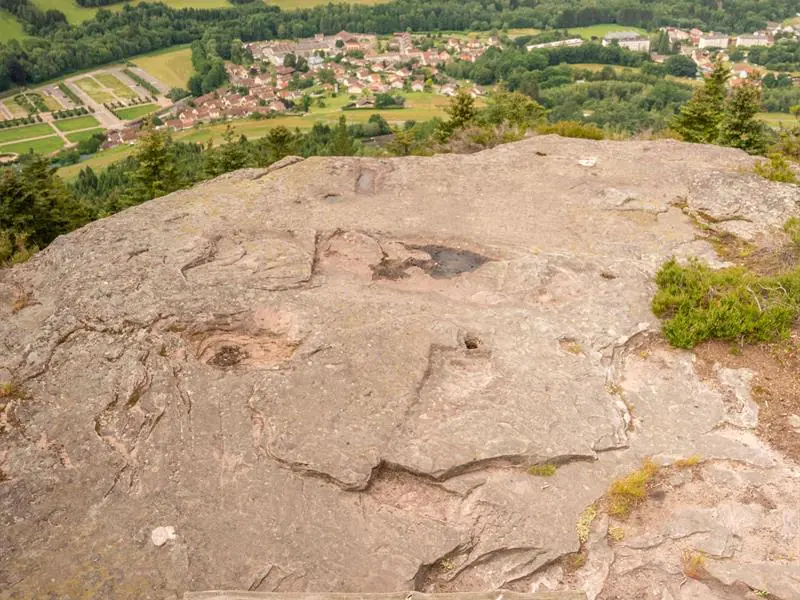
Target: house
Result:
[[418, 86], [676, 35], [745, 71], [759, 38], [695, 34], [448, 89], [354, 86], [628, 39], [713, 40]]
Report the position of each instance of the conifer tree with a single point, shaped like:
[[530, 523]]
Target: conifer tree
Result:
[[341, 142], [739, 127], [700, 119]]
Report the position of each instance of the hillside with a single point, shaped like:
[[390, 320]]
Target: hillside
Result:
[[374, 375]]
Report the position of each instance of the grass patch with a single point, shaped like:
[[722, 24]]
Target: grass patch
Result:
[[597, 67], [616, 534], [628, 492], [792, 229], [97, 93], [96, 161], [10, 28], [584, 524], [172, 68], [573, 129], [546, 470], [777, 119], [42, 146], [26, 132], [602, 30], [298, 4], [71, 9], [686, 463], [52, 104], [134, 112], [83, 135], [698, 303], [78, 14], [693, 563], [17, 110], [77, 123], [120, 89]]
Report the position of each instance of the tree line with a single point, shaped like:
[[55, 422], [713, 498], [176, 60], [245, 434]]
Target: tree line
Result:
[[146, 27]]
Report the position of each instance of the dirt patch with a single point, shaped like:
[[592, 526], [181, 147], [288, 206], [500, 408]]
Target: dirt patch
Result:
[[775, 387], [444, 263]]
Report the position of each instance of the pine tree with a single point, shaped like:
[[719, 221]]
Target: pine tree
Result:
[[156, 174], [233, 154], [341, 142], [280, 141], [739, 127], [461, 109], [700, 119]]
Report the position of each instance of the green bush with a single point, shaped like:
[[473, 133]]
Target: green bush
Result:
[[792, 228], [698, 303], [573, 129], [777, 168]]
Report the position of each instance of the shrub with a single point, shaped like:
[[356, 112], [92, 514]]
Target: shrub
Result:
[[777, 168], [699, 303], [630, 491], [792, 228], [574, 129]]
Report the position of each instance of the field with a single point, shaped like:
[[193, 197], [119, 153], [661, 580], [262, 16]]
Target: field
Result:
[[10, 28], [73, 11], [296, 4], [115, 85], [16, 109], [78, 14], [777, 120], [51, 102], [84, 135], [421, 107], [514, 33], [600, 31], [173, 67], [23, 133], [91, 87], [42, 146], [135, 112], [98, 161], [595, 67], [76, 123]]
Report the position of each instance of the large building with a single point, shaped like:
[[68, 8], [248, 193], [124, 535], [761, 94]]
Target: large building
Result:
[[714, 40], [570, 43], [629, 40], [753, 39]]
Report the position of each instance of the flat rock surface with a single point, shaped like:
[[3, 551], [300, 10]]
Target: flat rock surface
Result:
[[332, 376]]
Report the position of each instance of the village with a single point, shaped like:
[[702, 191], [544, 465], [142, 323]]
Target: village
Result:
[[287, 75], [359, 71]]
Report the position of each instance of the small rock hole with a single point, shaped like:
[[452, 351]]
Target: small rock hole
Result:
[[471, 341], [228, 356]]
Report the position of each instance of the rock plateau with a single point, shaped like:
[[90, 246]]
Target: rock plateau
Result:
[[333, 376]]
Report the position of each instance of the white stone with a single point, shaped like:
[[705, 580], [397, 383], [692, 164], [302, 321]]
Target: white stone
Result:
[[161, 535]]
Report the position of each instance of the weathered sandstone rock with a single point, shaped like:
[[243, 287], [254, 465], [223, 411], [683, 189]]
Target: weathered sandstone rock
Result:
[[332, 376]]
